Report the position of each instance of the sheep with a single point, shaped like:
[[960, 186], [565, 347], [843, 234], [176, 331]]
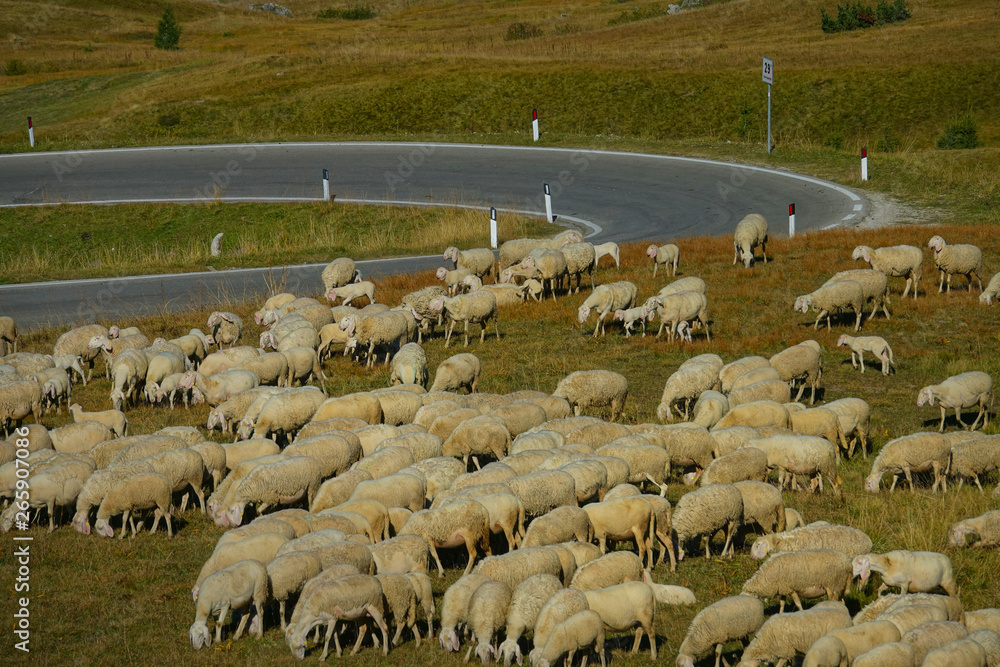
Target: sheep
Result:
[[667, 255], [479, 261], [990, 641], [609, 249], [287, 574], [115, 420], [580, 258], [756, 415], [918, 452], [220, 387], [233, 587], [784, 636], [514, 567], [833, 297], [273, 303], [597, 388], [75, 342], [526, 602], [625, 606], [50, 487], [556, 609], [349, 598], [744, 464], [142, 491], [352, 291], [962, 259], [128, 372], [339, 272], [280, 482], [776, 391], [580, 631], [895, 261], [893, 654], [286, 413], [799, 363], [703, 512], [958, 653], [452, 279], [478, 436], [854, 415], [961, 391], [793, 455], [874, 287], [465, 522], [610, 569], [850, 541], [729, 619], [840, 647], [409, 366], [934, 634], [921, 571], [751, 232], [685, 385], [17, 401], [8, 336], [606, 299], [734, 369], [455, 606], [681, 307], [980, 531], [226, 328], [875, 344], [973, 457], [806, 573], [992, 290], [401, 602], [819, 422], [506, 515], [399, 490], [513, 251], [487, 614], [363, 406], [630, 316], [477, 307], [620, 519]]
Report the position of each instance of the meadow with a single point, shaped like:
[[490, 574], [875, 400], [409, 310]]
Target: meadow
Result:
[[121, 601]]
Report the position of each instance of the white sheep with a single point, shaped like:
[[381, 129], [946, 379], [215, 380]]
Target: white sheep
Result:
[[747, 463], [610, 249], [626, 606], [668, 255], [514, 567], [281, 482], [992, 290], [854, 415], [962, 259], [409, 366], [487, 615], [551, 266], [226, 328], [833, 297], [337, 273], [935, 634], [841, 647], [799, 363], [807, 573], [75, 342], [958, 653], [875, 344], [731, 618], [477, 308], [623, 519], [784, 636], [893, 654], [808, 455], [455, 607], [597, 388], [850, 541], [287, 574], [874, 287], [920, 571], [990, 641], [459, 523], [689, 306], [630, 316], [685, 386], [233, 587], [349, 598], [115, 420], [751, 232], [582, 630], [454, 279], [703, 512], [905, 261], [965, 390], [605, 300], [52, 487], [606, 570], [479, 261], [352, 291], [526, 602], [983, 530], [580, 258], [142, 491], [220, 387]]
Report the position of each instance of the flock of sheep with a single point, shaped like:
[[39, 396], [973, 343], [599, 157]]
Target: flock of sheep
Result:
[[355, 495]]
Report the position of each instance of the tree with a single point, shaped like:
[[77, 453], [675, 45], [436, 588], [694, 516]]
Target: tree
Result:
[[168, 32]]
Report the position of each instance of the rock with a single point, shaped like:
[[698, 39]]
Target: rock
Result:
[[272, 8]]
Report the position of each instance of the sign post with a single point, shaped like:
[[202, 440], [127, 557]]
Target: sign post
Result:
[[326, 185], [548, 204], [493, 227], [864, 164], [767, 75], [31, 133], [534, 123], [791, 220]]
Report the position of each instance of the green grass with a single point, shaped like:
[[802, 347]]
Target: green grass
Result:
[[85, 241], [114, 602]]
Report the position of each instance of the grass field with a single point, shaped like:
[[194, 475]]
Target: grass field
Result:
[[114, 602]]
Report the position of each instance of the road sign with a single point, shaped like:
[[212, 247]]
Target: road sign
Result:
[[767, 75]]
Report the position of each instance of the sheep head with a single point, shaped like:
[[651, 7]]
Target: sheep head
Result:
[[441, 273], [485, 653], [961, 534], [117, 397], [651, 252], [872, 482], [528, 262], [803, 303], [437, 303], [862, 567], [213, 319], [451, 252], [759, 549], [199, 635], [986, 298], [104, 529], [582, 313], [937, 243], [80, 523], [331, 296], [113, 331], [862, 252], [98, 341], [297, 642], [510, 651], [842, 340], [926, 395], [449, 639], [619, 315]]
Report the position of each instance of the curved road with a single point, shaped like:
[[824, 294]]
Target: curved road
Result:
[[612, 196]]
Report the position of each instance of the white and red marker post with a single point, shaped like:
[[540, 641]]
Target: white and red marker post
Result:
[[31, 133], [493, 227], [326, 185], [791, 220], [548, 204], [864, 164], [534, 123]]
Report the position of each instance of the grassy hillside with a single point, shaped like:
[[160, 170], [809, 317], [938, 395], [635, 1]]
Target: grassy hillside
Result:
[[110, 601]]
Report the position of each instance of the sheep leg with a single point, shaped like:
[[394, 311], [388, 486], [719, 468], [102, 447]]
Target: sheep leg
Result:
[[909, 478], [470, 546], [982, 411], [243, 623], [218, 622], [730, 531], [958, 416]]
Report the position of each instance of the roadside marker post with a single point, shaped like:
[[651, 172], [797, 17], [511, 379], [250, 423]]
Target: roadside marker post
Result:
[[864, 164], [534, 123], [31, 133], [548, 204], [767, 76], [493, 227], [326, 185], [791, 220]]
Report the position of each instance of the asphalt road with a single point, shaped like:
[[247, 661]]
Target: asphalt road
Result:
[[612, 196]]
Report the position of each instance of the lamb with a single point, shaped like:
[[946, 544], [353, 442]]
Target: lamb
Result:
[[71, 363], [479, 261], [580, 258], [784, 636], [352, 291], [142, 491], [610, 249], [750, 233], [850, 541], [962, 259], [233, 587], [801, 363], [349, 598], [980, 531], [918, 452], [921, 571], [598, 388], [703, 512], [56, 388], [605, 300], [961, 391], [992, 290], [625, 606], [455, 607], [731, 618], [409, 366], [281, 482], [895, 261], [453, 279], [685, 385], [75, 342], [833, 297], [115, 420], [841, 647], [478, 308], [487, 615], [668, 255], [632, 315], [337, 273], [226, 328], [807, 573], [273, 303], [874, 344], [582, 630]]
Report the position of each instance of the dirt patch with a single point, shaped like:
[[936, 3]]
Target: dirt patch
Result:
[[887, 211]]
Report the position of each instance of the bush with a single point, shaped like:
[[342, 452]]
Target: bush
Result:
[[522, 30], [856, 15], [15, 67], [639, 14], [168, 32], [355, 13], [963, 133]]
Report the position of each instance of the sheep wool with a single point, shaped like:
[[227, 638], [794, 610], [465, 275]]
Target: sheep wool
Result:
[[598, 388], [751, 232], [918, 452], [981, 531], [905, 261], [784, 636], [846, 539], [731, 618], [705, 511], [237, 586], [962, 259], [809, 573], [965, 390]]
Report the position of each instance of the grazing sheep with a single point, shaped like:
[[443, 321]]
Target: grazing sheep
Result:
[[980, 531], [362, 405], [918, 452], [801, 363], [623, 519], [409, 366], [964, 390], [598, 388], [626, 606], [784, 636], [731, 618], [453, 280], [337, 273], [874, 287], [755, 415], [808, 455], [668, 255], [751, 232], [455, 607], [352, 291], [559, 607], [748, 463], [52, 487], [833, 297], [226, 328], [287, 574], [220, 387], [142, 491], [580, 258], [115, 420], [610, 569], [703, 512], [685, 386], [854, 415], [874, 344], [893, 654], [477, 307], [690, 306], [582, 630], [605, 300], [17, 401], [487, 614], [991, 291], [962, 259], [526, 602], [551, 266], [452, 525], [850, 541], [958, 653], [350, 598], [905, 261], [383, 329], [233, 587], [841, 647], [808, 573], [75, 342], [479, 261], [280, 482], [399, 490], [775, 391], [921, 571]]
